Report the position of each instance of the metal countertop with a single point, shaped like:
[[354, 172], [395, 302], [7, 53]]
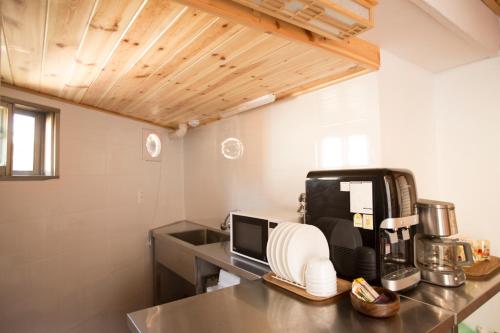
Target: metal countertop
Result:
[[255, 307], [462, 301], [218, 254]]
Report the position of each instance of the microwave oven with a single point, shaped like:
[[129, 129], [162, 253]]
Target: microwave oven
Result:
[[249, 235]]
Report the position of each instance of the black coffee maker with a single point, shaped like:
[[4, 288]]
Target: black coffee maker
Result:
[[369, 219]]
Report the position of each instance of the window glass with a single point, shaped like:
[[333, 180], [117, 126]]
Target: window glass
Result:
[[49, 145], [29, 137], [23, 142], [3, 136]]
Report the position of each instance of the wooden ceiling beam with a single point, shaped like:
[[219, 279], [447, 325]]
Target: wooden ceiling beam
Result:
[[494, 5], [363, 53]]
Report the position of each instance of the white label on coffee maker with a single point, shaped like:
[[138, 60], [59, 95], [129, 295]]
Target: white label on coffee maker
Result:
[[405, 234], [393, 236], [361, 197], [345, 187]]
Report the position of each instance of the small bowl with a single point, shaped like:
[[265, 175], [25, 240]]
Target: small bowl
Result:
[[383, 310], [320, 268]]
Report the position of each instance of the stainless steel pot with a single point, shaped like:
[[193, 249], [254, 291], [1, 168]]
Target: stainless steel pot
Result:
[[437, 218]]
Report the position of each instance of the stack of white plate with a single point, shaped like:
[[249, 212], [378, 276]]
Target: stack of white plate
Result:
[[291, 246]]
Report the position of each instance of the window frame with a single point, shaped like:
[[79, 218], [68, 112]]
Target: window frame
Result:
[[6, 173]]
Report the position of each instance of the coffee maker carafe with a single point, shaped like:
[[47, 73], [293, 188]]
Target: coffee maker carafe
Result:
[[440, 259]]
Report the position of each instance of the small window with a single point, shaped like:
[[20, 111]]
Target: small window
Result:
[[28, 140]]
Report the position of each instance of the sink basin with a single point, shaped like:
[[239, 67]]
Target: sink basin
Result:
[[201, 236]]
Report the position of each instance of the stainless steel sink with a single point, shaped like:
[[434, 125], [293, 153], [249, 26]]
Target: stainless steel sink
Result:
[[201, 236]]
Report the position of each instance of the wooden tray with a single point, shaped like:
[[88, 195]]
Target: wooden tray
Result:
[[482, 270], [343, 286]]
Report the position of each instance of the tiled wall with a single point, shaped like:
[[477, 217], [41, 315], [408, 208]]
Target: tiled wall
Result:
[[468, 117], [282, 142], [380, 119], [73, 251]]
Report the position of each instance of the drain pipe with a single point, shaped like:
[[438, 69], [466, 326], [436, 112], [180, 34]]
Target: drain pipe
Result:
[[179, 133]]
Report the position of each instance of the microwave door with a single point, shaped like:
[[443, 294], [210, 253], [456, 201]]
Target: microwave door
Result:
[[250, 237]]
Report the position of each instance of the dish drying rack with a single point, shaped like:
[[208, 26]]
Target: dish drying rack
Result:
[[293, 283], [343, 286]]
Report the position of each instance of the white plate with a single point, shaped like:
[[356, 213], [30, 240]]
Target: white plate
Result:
[[271, 242], [304, 244], [271, 245], [282, 259], [277, 248]]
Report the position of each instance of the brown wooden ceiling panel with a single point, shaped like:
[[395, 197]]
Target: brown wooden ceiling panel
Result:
[[110, 20], [189, 80], [24, 28], [184, 55], [5, 61], [166, 62], [179, 36], [151, 24], [494, 5], [249, 76], [66, 24]]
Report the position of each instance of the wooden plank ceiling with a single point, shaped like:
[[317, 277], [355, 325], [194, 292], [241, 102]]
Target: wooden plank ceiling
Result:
[[166, 62]]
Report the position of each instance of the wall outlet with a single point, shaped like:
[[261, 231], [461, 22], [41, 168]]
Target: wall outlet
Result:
[[140, 197]]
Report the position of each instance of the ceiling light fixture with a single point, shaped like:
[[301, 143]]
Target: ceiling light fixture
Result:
[[246, 106]]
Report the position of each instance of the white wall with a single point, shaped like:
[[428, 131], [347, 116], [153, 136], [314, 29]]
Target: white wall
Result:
[[472, 20], [391, 110], [467, 107], [468, 117], [73, 251], [334, 127], [407, 123]]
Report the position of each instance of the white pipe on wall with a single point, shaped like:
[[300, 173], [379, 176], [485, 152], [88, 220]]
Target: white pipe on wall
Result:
[[179, 133]]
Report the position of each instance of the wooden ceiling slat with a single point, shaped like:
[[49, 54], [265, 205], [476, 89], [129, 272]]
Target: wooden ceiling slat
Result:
[[110, 20], [153, 21], [66, 25], [202, 46], [321, 82], [24, 28], [494, 5], [188, 25], [229, 79], [267, 84], [5, 61], [247, 41], [262, 85], [166, 63], [228, 82], [244, 96]]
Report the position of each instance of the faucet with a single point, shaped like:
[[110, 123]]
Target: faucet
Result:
[[302, 205], [227, 223]]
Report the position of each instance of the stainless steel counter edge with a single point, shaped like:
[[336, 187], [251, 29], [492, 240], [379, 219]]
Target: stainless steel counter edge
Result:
[[215, 253], [255, 307], [462, 300]]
